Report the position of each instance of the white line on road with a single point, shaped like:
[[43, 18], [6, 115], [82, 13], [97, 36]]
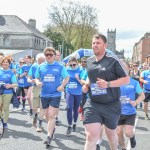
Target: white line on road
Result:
[[128, 145], [17, 109]]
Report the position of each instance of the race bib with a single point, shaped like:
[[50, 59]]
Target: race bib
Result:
[[21, 81], [148, 76], [49, 78], [72, 85], [96, 90]]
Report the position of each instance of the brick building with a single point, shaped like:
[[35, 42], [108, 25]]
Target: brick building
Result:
[[141, 50]]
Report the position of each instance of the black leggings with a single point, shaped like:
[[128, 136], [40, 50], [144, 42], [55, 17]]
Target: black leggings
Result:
[[19, 91]]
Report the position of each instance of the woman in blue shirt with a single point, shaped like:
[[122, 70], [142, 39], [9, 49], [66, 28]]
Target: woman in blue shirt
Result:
[[8, 81], [27, 86], [128, 110], [73, 93]]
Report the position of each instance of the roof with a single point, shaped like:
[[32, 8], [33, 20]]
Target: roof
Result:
[[12, 24]]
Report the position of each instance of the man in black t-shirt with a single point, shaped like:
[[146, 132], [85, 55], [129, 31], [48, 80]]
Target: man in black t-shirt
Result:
[[105, 75]]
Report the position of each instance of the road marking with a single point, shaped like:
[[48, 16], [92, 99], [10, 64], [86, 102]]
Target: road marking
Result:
[[13, 110], [129, 145]]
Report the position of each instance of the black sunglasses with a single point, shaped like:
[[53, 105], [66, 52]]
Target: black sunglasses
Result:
[[83, 61], [22, 62], [51, 55], [72, 65]]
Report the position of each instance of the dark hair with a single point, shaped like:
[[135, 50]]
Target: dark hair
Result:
[[50, 49], [100, 36], [28, 56], [72, 58]]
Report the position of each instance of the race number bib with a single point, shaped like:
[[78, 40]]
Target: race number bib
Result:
[[21, 81], [72, 85], [148, 76], [96, 90], [49, 78]]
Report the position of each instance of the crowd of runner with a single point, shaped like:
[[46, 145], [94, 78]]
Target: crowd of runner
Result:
[[104, 90]]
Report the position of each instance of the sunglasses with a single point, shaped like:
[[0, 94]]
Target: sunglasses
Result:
[[51, 55], [83, 61], [134, 65], [72, 65], [22, 62]]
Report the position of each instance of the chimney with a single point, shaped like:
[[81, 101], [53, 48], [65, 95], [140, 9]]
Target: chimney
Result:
[[32, 23]]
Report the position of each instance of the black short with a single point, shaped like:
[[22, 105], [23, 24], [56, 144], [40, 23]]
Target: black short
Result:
[[147, 97], [27, 87], [107, 114], [127, 120]]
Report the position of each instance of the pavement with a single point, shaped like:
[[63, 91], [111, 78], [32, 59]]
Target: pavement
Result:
[[21, 135]]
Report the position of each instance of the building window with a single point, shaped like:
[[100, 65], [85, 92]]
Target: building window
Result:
[[6, 40]]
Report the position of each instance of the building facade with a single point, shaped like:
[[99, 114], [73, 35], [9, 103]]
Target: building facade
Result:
[[141, 50], [19, 35]]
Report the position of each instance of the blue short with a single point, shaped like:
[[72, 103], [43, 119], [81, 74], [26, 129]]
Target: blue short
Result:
[[50, 101]]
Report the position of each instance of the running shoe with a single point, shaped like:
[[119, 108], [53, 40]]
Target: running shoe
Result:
[[5, 126], [31, 112], [133, 142], [69, 131], [39, 128], [57, 122], [98, 143], [48, 141], [74, 128], [146, 117]]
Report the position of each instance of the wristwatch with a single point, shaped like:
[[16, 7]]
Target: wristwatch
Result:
[[108, 84]]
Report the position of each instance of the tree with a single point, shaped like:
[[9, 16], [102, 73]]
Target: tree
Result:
[[75, 22]]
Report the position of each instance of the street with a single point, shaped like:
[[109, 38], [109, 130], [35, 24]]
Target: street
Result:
[[21, 135]]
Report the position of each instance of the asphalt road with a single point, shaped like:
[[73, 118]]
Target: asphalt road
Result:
[[21, 135]]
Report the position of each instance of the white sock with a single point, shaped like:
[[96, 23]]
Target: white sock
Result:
[[99, 142]]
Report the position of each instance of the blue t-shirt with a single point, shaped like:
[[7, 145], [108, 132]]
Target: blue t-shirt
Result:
[[25, 68], [33, 70], [85, 75], [19, 80], [7, 77], [50, 75], [73, 86], [129, 91], [146, 76]]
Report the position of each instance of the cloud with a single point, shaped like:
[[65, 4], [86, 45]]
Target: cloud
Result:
[[130, 34]]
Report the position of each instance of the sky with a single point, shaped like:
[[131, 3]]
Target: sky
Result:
[[130, 18]]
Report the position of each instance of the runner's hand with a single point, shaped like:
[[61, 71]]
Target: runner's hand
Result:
[[85, 88], [60, 88], [101, 83], [39, 84]]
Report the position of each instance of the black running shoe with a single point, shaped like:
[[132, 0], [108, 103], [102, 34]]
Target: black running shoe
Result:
[[31, 112], [48, 141], [74, 128], [69, 131], [57, 122], [133, 142]]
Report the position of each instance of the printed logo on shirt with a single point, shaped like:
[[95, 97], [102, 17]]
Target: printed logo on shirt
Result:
[[148, 76], [49, 78], [57, 70], [72, 85]]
